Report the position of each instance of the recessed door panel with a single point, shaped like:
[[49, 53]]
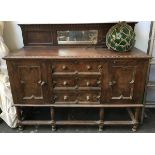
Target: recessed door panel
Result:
[[122, 82], [31, 83], [30, 78]]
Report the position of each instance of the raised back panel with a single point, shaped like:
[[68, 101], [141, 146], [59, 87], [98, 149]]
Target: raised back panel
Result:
[[47, 34]]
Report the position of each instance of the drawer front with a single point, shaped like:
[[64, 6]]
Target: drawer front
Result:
[[64, 82], [81, 97], [86, 97], [62, 97], [90, 82], [64, 67], [76, 66], [89, 66]]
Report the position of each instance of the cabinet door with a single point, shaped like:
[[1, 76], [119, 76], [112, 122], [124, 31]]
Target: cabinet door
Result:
[[31, 82], [122, 80]]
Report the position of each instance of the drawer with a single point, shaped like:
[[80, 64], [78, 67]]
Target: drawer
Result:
[[64, 82], [63, 97], [82, 97], [85, 66], [89, 81], [86, 97], [76, 66], [64, 67]]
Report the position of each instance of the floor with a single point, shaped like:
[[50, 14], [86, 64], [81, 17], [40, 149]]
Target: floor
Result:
[[148, 126]]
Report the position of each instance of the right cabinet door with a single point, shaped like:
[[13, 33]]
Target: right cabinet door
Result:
[[126, 81]]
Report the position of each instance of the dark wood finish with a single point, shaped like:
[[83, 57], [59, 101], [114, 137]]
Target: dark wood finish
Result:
[[46, 34], [58, 77]]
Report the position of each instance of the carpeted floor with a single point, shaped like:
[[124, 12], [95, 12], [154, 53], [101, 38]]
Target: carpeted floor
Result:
[[148, 126]]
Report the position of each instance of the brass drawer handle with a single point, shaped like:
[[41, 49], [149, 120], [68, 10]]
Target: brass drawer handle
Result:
[[88, 83], [64, 67], [98, 97], [88, 67], [65, 83], [98, 82], [88, 98], [65, 97]]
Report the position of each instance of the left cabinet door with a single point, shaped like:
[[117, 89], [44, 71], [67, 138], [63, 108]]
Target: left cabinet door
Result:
[[29, 81]]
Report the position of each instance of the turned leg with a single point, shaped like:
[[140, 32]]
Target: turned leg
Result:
[[101, 120], [134, 128], [53, 128], [20, 127], [52, 118], [19, 118], [137, 115]]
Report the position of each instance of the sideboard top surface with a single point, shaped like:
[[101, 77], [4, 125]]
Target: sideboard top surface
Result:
[[68, 52]]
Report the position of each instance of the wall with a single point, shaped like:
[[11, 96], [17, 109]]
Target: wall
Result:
[[12, 35], [142, 30]]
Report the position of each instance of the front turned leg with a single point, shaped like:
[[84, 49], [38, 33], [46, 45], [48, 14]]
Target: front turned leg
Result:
[[134, 128], [137, 115], [101, 115], [53, 128], [20, 128], [52, 118], [100, 128]]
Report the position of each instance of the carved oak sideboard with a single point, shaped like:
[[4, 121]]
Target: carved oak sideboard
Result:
[[82, 77]]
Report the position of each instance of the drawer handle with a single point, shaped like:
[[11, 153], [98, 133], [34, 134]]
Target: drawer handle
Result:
[[88, 98], [88, 67], [98, 97], [98, 82], [88, 83], [65, 83], [65, 97], [64, 67]]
